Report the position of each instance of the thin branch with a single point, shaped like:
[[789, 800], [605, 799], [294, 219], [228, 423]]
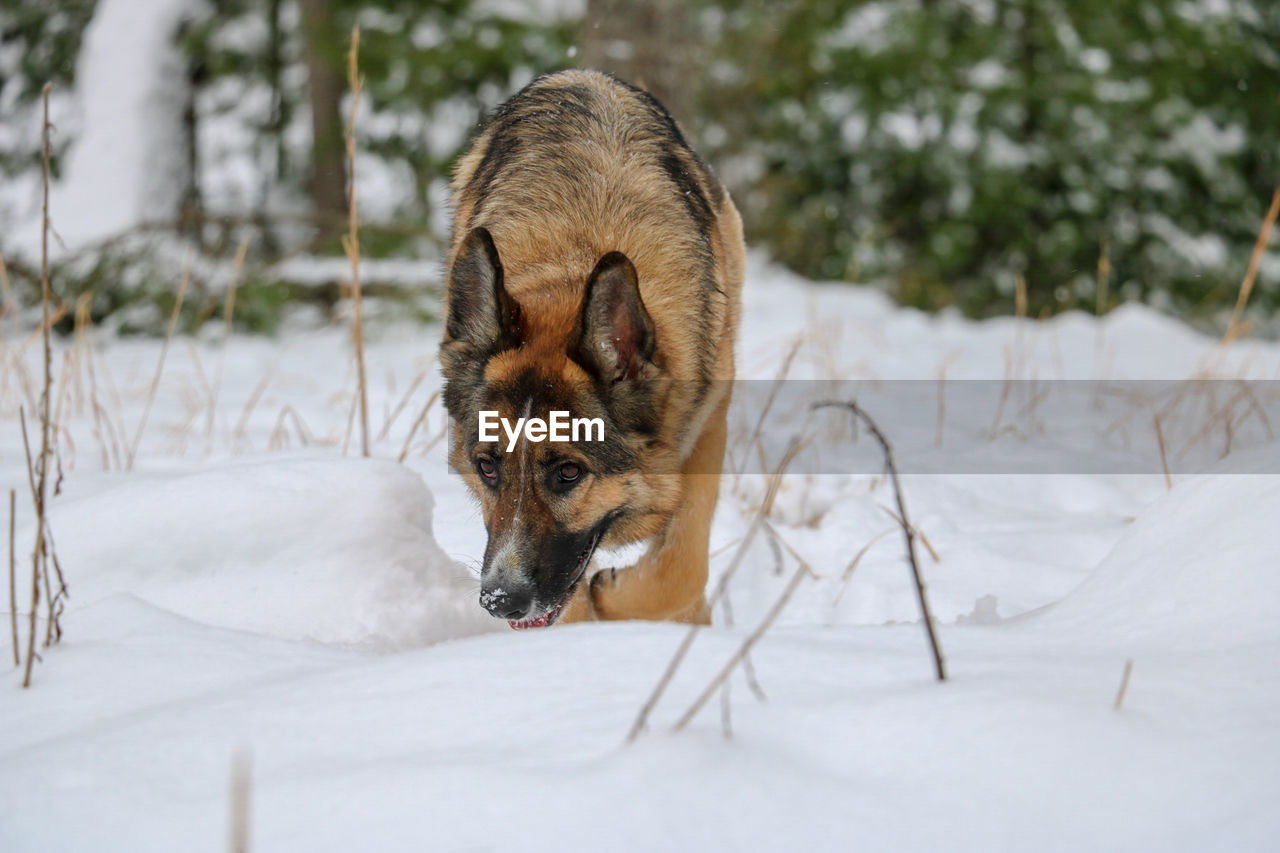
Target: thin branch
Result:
[[35, 567], [908, 531]]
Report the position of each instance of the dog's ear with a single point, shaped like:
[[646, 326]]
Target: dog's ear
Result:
[[481, 312], [615, 332]]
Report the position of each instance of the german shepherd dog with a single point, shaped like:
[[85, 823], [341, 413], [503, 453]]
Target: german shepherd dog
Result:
[[596, 269]]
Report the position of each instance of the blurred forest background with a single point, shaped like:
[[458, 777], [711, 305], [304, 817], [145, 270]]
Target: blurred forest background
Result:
[[939, 149]]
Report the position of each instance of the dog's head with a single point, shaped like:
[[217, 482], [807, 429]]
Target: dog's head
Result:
[[550, 496]]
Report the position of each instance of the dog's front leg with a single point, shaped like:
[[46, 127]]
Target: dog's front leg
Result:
[[670, 580]]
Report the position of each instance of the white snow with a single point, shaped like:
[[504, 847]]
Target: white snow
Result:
[[239, 593], [126, 164]]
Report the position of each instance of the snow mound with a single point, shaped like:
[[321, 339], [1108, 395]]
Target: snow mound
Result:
[[1196, 567], [338, 551]]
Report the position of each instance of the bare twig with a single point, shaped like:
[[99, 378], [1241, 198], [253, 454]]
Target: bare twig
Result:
[[725, 671], [908, 531], [38, 473], [771, 493], [164, 351], [1124, 684], [351, 241], [35, 560]]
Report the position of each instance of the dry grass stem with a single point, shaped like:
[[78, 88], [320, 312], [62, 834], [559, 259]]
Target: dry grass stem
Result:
[[241, 801], [738, 656], [908, 531], [351, 242], [1124, 684], [404, 401], [13, 583], [773, 393], [1104, 278], [242, 424], [1235, 328], [280, 436], [771, 493], [6, 289], [853, 564], [942, 405], [164, 351], [1164, 458], [413, 430], [37, 473], [228, 313], [35, 567], [83, 323]]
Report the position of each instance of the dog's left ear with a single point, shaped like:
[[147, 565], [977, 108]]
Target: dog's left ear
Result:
[[615, 332]]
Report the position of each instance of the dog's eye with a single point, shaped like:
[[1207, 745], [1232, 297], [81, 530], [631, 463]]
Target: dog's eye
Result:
[[487, 469], [570, 472]]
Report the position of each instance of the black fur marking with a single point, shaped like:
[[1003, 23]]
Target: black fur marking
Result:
[[695, 200], [537, 113]]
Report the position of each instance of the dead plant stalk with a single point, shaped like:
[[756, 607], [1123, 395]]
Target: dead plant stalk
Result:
[[771, 493], [351, 242], [740, 655], [1236, 328], [40, 470], [228, 313], [164, 352], [13, 583], [908, 530]]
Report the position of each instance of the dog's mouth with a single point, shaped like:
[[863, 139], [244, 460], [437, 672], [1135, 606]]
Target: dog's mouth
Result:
[[552, 613]]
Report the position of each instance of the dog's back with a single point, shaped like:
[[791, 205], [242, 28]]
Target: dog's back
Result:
[[580, 164]]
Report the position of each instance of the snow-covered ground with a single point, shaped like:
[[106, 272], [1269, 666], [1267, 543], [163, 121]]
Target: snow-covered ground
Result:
[[252, 589]]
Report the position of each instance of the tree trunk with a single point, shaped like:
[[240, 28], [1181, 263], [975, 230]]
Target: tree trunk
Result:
[[328, 172], [649, 43]]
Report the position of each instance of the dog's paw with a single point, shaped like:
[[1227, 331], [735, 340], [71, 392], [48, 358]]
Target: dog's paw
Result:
[[604, 584]]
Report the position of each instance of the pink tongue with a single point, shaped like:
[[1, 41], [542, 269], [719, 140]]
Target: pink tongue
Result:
[[540, 622]]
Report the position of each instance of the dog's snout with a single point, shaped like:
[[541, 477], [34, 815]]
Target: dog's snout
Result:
[[506, 602]]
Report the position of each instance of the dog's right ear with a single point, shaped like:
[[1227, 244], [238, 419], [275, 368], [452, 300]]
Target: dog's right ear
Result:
[[481, 312]]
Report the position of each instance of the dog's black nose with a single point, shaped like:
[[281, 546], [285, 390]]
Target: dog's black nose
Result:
[[507, 603]]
